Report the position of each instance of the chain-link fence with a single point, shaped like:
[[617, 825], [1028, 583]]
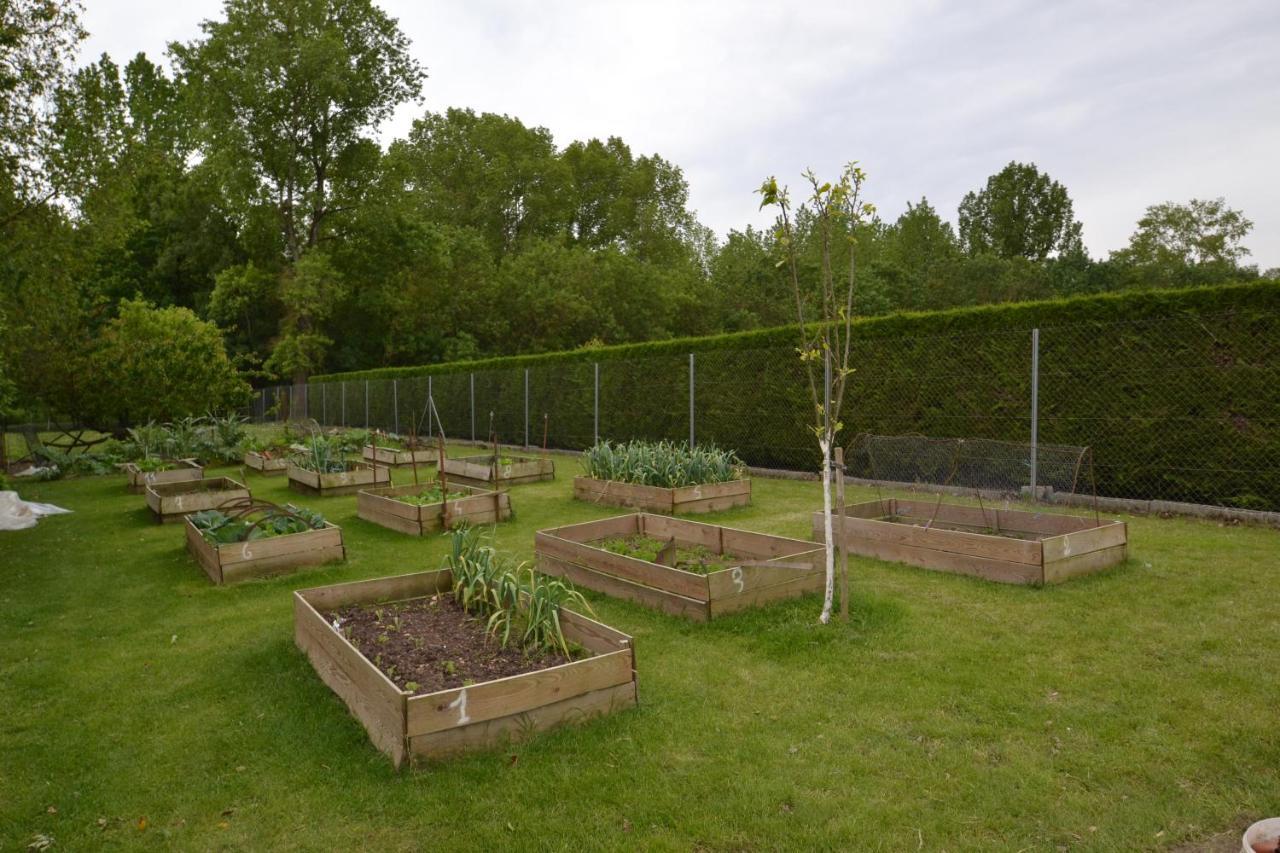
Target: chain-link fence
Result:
[[1185, 408]]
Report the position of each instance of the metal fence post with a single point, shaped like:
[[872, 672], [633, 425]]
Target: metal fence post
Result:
[[526, 408], [431, 407], [366, 404], [395, 403], [691, 408], [1035, 407], [595, 405], [324, 404], [473, 407]]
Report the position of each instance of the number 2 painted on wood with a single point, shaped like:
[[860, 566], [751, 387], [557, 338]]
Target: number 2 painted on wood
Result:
[[461, 704]]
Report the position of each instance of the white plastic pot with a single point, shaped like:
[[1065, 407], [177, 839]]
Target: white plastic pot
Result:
[[1261, 833]]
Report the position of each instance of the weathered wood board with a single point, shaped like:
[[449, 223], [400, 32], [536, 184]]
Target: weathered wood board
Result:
[[1008, 546], [237, 561], [424, 457], [708, 497], [569, 552], [481, 506], [267, 464], [480, 470], [435, 725], [175, 501], [137, 480], [358, 476]]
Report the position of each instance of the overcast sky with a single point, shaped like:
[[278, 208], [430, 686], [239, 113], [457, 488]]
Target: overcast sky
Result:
[[1126, 103]]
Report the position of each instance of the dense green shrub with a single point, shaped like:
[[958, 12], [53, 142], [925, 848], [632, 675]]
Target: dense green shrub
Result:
[[1176, 391]]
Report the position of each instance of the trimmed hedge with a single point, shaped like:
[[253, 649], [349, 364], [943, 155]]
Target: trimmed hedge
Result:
[[1177, 391]]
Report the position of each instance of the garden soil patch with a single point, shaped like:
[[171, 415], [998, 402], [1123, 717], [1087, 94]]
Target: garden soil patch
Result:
[[434, 643]]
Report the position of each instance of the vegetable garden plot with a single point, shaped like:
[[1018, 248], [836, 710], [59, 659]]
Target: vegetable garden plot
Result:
[[506, 470], [266, 462], [356, 476], [400, 457], [726, 570], [175, 501], [708, 497], [418, 510], [1010, 546], [260, 540], [662, 476], [408, 725], [152, 471]]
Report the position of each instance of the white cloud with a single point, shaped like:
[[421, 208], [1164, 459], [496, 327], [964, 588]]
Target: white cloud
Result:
[[1127, 104]]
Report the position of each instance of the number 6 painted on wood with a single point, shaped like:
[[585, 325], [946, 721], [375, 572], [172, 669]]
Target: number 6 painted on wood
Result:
[[245, 553]]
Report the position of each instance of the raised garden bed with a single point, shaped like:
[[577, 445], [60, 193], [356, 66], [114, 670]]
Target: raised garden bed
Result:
[[406, 724], [175, 501], [178, 471], [1009, 546], [400, 457], [403, 508], [509, 470], [357, 476], [721, 570], [708, 497], [240, 560], [267, 462]]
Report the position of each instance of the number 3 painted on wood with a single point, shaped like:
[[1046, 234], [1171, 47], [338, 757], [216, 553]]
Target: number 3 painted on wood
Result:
[[735, 574], [461, 704]]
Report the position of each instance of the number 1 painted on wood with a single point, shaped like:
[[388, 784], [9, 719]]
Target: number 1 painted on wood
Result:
[[461, 704]]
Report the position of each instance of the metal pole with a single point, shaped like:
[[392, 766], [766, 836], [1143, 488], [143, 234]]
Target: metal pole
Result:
[[473, 407], [366, 404], [526, 408], [595, 406], [395, 402], [324, 403], [691, 386], [344, 403], [431, 404], [1035, 406]]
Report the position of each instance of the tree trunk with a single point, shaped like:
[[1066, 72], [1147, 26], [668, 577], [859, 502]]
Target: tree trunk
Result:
[[829, 552]]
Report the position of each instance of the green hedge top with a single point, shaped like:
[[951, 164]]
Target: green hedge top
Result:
[[1130, 306]]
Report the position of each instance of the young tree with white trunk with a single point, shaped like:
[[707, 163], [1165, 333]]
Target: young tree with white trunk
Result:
[[831, 214]]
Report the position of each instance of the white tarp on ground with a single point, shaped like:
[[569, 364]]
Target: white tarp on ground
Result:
[[17, 514]]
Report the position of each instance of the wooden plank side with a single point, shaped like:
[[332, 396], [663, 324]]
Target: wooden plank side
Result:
[[370, 695], [587, 531], [945, 561], [745, 543], [707, 491], [1058, 571], [610, 493], [740, 580], [955, 541], [712, 504], [517, 694], [378, 590], [793, 588], [682, 530], [391, 522], [668, 602], [308, 540], [267, 566], [383, 500], [992, 517], [1108, 535], [593, 635], [493, 732], [205, 554], [687, 584], [872, 509]]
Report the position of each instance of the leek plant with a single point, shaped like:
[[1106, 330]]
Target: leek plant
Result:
[[661, 463]]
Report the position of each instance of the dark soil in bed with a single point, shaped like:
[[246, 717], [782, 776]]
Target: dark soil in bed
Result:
[[431, 644]]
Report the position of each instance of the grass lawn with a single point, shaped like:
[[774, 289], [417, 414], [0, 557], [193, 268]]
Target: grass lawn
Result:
[[1136, 709]]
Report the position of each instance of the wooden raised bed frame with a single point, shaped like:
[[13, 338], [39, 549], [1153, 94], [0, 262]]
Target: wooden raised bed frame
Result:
[[564, 552], [400, 458], [237, 561], [705, 497], [1009, 546], [380, 506], [479, 471], [359, 476], [478, 716], [138, 480], [175, 501], [265, 466]]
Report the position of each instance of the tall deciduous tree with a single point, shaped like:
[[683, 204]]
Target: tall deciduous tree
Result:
[[38, 39], [1198, 232], [288, 94], [1020, 213]]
